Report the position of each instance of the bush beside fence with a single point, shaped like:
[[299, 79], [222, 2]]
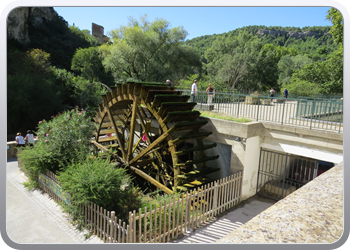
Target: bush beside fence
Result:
[[165, 220]]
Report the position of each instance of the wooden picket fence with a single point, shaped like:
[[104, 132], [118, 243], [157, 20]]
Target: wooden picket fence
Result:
[[167, 219], [179, 215]]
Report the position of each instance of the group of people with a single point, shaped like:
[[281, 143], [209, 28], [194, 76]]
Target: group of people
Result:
[[21, 140], [285, 93], [210, 91]]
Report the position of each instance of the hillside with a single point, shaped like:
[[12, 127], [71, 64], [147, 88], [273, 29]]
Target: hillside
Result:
[[314, 41]]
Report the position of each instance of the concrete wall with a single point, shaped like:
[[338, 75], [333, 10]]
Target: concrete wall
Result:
[[246, 140]]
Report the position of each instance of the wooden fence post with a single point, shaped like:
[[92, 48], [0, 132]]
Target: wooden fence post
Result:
[[215, 198]]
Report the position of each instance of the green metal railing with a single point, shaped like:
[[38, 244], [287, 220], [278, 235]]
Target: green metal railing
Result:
[[324, 114]]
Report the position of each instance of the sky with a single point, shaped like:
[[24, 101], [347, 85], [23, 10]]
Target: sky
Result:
[[197, 21]]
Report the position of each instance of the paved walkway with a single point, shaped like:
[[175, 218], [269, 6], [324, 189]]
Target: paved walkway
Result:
[[33, 217]]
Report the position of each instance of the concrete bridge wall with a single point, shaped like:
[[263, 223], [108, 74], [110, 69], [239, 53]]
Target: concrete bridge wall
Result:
[[246, 140]]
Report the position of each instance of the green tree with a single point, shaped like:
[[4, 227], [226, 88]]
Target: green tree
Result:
[[337, 30], [232, 61], [288, 64], [88, 62], [303, 88], [148, 51], [328, 75]]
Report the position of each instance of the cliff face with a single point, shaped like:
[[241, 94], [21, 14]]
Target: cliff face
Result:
[[17, 21], [297, 35]]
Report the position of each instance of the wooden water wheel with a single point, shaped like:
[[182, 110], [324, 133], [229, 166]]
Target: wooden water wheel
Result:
[[173, 157]]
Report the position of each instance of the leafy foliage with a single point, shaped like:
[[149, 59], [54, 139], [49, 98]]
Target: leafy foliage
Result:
[[97, 181], [328, 75], [57, 39], [288, 64], [88, 62], [62, 140], [145, 51], [303, 88]]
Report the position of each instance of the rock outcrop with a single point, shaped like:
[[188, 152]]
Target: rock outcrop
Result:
[[17, 21], [291, 34]]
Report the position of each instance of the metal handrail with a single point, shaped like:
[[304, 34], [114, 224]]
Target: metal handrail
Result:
[[324, 114]]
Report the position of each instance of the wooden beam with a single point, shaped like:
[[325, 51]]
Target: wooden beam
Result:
[[132, 127], [115, 131], [153, 145], [151, 180]]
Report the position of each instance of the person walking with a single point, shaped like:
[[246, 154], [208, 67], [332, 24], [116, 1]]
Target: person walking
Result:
[[30, 138], [211, 91], [20, 140], [285, 92], [194, 91], [168, 82]]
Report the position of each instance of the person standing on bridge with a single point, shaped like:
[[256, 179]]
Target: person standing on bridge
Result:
[[168, 83], [272, 92], [211, 92], [285, 92], [194, 91]]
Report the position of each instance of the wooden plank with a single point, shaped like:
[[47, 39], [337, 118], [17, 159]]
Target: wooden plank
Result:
[[165, 222], [173, 220], [178, 215], [101, 222], [132, 128], [236, 190], [123, 234], [140, 228], [104, 225], [145, 226], [150, 225], [201, 206], [108, 226], [134, 227], [155, 222], [129, 234], [94, 218], [120, 142], [150, 179], [206, 187], [240, 185], [119, 230], [160, 222], [232, 187], [113, 228], [183, 212]]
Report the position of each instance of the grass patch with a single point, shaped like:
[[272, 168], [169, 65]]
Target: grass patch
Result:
[[224, 117]]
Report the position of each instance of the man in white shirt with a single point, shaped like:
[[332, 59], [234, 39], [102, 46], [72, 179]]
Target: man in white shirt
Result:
[[194, 91]]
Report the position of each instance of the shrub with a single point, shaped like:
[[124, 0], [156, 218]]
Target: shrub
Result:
[[62, 140], [97, 181]]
